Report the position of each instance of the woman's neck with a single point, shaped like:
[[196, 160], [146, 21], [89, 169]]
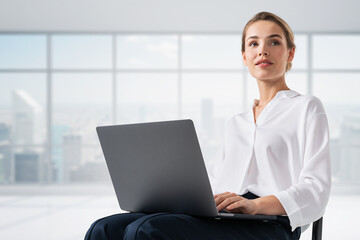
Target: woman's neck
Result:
[[268, 90]]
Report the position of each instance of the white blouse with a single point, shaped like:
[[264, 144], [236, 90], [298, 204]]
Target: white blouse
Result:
[[285, 153]]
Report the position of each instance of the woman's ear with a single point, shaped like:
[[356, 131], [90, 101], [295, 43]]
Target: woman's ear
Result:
[[244, 58], [291, 55]]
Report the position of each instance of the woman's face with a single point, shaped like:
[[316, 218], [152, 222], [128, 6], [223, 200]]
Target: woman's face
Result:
[[266, 53]]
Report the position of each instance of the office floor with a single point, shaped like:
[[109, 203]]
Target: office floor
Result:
[[57, 216]]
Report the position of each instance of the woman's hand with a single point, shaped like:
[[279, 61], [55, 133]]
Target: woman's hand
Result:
[[234, 203], [231, 202]]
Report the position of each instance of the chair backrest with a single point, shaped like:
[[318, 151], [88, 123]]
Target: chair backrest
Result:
[[317, 229]]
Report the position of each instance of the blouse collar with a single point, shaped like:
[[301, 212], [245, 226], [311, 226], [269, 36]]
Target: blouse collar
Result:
[[280, 94]]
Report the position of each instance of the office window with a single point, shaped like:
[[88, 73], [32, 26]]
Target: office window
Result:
[[100, 79], [210, 99], [211, 52], [301, 52], [19, 51], [23, 107], [336, 51], [147, 51], [82, 51], [339, 93], [151, 84], [218, 91], [81, 102], [297, 81], [144, 97]]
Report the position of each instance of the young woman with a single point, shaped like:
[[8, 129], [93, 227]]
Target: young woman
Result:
[[275, 160]]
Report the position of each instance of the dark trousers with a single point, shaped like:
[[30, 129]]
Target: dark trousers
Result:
[[161, 226]]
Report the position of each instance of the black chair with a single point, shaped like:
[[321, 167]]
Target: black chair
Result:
[[317, 229]]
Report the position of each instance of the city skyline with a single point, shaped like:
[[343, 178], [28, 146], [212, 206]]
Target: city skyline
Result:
[[76, 148]]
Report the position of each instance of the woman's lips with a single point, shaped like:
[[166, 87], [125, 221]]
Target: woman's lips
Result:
[[263, 63]]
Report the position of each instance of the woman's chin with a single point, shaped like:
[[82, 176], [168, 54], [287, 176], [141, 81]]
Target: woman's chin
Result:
[[267, 76]]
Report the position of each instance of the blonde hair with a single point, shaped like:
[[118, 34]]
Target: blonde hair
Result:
[[267, 16]]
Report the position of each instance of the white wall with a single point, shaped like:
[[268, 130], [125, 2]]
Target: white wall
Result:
[[173, 15]]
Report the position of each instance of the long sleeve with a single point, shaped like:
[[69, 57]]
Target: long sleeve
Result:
[[305, 201]]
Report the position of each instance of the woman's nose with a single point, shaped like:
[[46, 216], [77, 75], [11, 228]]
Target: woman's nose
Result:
[[263, 53], [263, 50]]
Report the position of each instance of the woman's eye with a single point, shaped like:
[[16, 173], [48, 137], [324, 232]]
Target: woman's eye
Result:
[[275, 43], [253, 44]]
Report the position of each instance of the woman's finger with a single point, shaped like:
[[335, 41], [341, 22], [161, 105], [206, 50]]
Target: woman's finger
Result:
[[228, 201], [221, 197], [242, 206], [220, 194]]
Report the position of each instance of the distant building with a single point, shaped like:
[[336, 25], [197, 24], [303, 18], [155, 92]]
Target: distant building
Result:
[[25, 115], [27, 128], [5, 153], [27, 167], [58, 132], [4, 133]]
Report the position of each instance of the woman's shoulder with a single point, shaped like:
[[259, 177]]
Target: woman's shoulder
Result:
[[311, 104], [312, 101], [307, 98]]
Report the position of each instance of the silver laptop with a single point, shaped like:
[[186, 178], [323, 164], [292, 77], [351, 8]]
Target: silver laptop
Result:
[[158, 167]]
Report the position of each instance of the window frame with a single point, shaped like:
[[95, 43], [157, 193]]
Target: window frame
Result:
[[309, 71]]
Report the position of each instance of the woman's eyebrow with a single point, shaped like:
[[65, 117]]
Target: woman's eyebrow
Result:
[[252, 37], [274, 35], [271, 36]]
